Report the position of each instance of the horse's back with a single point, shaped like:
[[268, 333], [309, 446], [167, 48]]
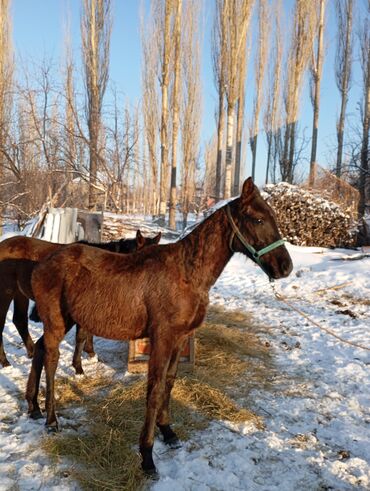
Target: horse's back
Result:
[[20, 247]]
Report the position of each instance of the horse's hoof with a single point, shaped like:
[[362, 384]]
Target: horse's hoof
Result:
[[151, 473], [169, 436], [79, 370], [173, 443], [5, 363], [36, 414], [90, 354]]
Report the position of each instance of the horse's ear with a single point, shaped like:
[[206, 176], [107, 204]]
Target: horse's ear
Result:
[[248, 188], [140, 239], [157, 238]]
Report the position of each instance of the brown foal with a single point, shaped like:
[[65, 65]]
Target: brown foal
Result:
[[160, 292], [18, 257]]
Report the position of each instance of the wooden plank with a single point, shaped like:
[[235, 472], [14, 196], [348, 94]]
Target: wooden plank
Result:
[[92, 224], [139, 352]]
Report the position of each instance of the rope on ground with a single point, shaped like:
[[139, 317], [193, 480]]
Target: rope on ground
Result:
[[334, 287], [281, 298]]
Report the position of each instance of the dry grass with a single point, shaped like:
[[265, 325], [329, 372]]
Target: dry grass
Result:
[[104, 456]]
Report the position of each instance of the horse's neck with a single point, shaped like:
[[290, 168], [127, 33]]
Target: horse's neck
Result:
[[207, 249]]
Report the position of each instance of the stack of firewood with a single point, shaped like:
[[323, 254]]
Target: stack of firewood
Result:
[[125, 226], [115, 228], [308, 220]]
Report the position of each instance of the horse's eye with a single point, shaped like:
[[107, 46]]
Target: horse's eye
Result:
[[258, 221]]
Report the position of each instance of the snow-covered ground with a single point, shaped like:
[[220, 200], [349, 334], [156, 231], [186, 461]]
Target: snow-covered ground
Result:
[[317, 430]]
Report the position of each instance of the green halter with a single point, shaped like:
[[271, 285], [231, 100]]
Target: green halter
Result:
[[255, 254]]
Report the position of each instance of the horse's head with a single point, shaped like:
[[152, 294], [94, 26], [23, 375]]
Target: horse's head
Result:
[[255, 232], [132, 245], [142, 241]]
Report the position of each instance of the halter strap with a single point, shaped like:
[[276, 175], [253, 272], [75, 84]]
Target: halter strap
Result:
[[255, 254]]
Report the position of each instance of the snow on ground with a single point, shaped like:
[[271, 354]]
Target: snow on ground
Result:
[[317, 421]]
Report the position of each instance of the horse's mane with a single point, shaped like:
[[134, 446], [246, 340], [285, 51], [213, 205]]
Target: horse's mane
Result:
[[121, 245]]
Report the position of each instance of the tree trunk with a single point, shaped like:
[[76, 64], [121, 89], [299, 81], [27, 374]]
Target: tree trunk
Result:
[[229, 149], [284, 164], [254, 155], [344, 87], [317, 83], [269, 144], [175, 118], [291, 152], [364, 170], [93, 154], [238, 146], [220, 139], [164, 117]]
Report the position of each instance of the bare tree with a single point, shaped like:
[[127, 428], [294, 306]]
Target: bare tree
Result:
[[238, 17], [96, 26], [175, 112], [300, 52], [165, 78], [70, 147], [210, 159], [219, 53], [260, 67], [364, 178], [343, 67], [191, 106], [242, 74], [316, 73], [272, 116], [6, 76], [151, 110]]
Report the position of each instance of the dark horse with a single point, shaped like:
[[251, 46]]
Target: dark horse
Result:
[[18, 256], [160, 292]]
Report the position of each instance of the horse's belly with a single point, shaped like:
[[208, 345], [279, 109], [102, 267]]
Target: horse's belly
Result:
[[114, 327]]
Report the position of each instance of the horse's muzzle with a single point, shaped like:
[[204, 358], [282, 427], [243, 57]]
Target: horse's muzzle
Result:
[[279, 267]]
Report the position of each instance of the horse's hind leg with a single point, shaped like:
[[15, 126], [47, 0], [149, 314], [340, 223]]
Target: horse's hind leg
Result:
[[34, 315], [4, 306], [158, 366], [20, 320], [163, 418], [33, 382], [89, 345], [81, 336]]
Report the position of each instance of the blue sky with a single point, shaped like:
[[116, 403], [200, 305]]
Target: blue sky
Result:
[[38, 31]]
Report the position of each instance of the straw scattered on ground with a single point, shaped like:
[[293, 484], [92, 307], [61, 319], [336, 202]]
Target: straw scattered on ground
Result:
[[229, 356]]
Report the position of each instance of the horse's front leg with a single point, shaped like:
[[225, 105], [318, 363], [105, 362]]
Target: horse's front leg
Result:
[[81, 335], [163, 418], [158, 365]]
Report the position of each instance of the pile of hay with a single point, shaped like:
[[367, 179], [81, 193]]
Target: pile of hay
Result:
[[306, 219], [104, 454]]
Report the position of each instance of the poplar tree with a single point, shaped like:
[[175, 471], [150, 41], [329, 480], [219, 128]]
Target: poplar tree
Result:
[[96, 27]]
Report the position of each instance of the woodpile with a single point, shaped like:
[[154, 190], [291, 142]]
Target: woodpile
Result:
[[306, 219], [116, 226]]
